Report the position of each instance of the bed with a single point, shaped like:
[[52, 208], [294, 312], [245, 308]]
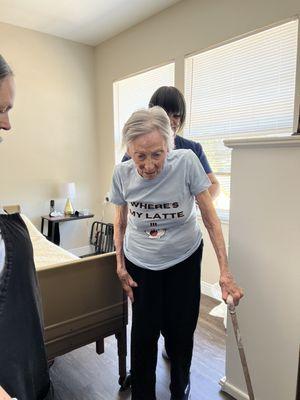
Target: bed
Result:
[[83, 301]]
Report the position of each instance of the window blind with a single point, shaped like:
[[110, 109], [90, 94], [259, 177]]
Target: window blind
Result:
[[134, 93], [245, 88]]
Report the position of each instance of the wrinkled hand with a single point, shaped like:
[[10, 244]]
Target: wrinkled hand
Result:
[[229, 286], [127, 282]]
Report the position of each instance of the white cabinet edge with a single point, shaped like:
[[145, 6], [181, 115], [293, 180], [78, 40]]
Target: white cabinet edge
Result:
[[279, 141]]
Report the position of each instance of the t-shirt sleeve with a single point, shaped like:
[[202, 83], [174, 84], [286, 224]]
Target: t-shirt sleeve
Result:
[[116, 195], [197, 178], [198, 150]]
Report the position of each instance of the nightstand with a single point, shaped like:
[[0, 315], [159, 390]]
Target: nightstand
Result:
[[53, 225]]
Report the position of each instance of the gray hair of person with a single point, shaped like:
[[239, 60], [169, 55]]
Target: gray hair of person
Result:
[[5, 69], [146, 121]]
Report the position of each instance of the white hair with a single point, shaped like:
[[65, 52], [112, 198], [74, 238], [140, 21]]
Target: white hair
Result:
[[146, 121]]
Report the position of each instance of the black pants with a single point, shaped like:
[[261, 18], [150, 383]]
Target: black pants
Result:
[[165, 302]]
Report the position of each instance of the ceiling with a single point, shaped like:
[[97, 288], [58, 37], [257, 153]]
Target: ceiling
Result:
[[85, 21]]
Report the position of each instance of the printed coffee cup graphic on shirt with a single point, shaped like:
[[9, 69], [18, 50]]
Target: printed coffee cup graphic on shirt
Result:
[[155, 233]]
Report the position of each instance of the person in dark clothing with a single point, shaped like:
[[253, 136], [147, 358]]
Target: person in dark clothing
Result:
[[172, 101], [24, 371]]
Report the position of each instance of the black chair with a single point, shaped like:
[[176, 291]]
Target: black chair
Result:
[[101, 238]]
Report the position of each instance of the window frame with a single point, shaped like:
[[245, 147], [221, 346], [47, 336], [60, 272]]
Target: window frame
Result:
[[224, 215]]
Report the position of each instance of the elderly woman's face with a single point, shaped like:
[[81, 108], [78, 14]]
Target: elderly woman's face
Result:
[[7, 95], [148, 152]]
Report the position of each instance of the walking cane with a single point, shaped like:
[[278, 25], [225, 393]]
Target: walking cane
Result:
[[231, 309]]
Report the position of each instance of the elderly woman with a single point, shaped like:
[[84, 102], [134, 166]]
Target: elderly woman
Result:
[[23, 363], [159, 248]]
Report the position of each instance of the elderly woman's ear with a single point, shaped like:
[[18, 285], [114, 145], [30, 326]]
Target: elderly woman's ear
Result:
[[129, 150]]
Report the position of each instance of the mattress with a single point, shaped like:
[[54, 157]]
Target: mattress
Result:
[[45, 252]]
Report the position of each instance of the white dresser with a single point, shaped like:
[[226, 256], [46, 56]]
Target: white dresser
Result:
[[264, 255]]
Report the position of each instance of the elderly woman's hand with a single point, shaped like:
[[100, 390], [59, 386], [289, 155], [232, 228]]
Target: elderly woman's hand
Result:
[[229, 286], [127, 282]]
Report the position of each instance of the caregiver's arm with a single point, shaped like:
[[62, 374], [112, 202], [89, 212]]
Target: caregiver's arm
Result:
[[4, 395]]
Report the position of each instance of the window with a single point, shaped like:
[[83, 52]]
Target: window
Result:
[[245, 88], [133, 93]]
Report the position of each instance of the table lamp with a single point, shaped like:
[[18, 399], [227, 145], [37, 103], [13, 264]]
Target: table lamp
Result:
[[68, 191]]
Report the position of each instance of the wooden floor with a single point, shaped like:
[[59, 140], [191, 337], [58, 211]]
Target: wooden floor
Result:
[[83, 375]]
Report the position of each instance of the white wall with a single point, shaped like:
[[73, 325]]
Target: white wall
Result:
[[188, 26], [53, 137]]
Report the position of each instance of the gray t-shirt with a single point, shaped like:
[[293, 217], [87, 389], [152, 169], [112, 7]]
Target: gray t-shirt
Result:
[[162, 228]]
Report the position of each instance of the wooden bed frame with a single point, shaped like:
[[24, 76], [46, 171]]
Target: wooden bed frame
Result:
[[83, 302]]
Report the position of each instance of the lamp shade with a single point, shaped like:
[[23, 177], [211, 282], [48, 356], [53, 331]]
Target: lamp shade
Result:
[[68, 190]]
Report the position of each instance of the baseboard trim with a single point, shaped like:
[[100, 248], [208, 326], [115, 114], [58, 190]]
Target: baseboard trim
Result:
[[232, 390]]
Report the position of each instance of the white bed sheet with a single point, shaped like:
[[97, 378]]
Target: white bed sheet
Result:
[[45, 252]]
